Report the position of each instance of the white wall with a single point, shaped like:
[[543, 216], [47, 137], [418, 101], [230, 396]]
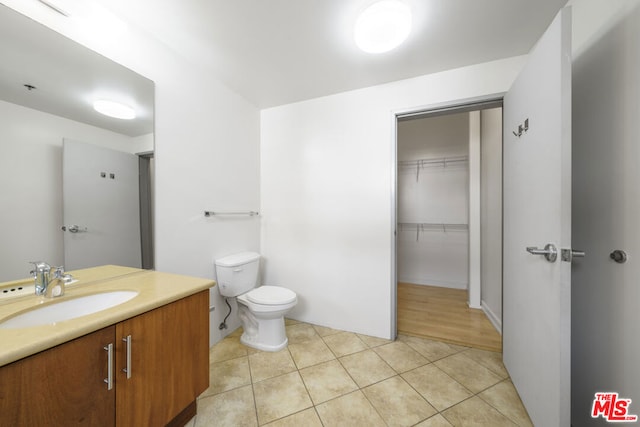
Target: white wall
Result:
[[143, 143], [606, 204], [31, 184], [434, 194], [206, 149], [491, 214], [207, 160], [326, 192]]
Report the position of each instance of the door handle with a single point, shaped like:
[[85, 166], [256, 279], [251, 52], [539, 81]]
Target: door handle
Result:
[[74, 229], [109, 379], [568, 255], [127, 369], [550, 251]]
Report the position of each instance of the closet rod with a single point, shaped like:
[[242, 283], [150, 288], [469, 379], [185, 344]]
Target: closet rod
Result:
[[422, 163], [212, 213], [444, 161], [421, 227], [428, 226]]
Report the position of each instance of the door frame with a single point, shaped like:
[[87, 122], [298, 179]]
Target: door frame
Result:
[[447, 107], [146, 185]]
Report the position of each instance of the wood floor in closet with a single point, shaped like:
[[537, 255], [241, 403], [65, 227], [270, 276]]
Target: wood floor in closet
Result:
[[443, 314]]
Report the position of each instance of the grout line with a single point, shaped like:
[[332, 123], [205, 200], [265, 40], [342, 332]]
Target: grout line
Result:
[[493, 406], [253, 390], [360, 389]]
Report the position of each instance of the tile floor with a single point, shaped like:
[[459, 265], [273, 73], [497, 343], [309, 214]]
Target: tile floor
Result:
[[327, 377]]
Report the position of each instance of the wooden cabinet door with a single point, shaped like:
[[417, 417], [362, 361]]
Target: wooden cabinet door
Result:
[[62, 386], [169, 362]]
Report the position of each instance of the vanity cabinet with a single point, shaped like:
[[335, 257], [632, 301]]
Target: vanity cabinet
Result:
[[155, 384], [169, 362], [63, 386]]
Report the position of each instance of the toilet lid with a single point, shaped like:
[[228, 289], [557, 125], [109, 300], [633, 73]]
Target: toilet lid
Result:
[[271, 295]]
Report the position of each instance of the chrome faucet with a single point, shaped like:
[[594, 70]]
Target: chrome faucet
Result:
[[49, 281]]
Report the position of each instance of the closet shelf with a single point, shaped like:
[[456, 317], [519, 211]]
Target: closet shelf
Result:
[[421, 227], [435, 162]]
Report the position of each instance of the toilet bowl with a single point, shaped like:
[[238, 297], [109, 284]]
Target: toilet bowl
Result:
[[262, 313], [261, 309]]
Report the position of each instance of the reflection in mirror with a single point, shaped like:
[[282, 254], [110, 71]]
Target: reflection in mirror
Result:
[[48, 84]]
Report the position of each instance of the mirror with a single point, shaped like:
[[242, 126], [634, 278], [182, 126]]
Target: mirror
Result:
[[47, 86]]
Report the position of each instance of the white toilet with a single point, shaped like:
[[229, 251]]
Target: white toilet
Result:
[[261, 309]]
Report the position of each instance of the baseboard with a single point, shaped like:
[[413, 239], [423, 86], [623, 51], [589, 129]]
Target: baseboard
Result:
[[495, 320]]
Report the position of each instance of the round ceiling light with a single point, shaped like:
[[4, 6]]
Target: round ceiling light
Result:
[[114, 109], [383, 26]]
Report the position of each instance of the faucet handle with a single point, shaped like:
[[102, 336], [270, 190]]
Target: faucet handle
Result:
[[58, 272], [40, 266]]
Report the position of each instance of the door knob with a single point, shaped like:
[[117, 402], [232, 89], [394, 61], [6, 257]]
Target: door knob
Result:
[[550, 251], [618, 256]]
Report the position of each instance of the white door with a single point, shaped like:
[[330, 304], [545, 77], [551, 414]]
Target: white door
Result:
[[537, 212], [101, 209]]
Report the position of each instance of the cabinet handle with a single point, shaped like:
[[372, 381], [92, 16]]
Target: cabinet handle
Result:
[[109, 379], [127, 369]]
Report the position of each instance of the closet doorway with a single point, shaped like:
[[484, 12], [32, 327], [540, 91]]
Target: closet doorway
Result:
[[449, 225]]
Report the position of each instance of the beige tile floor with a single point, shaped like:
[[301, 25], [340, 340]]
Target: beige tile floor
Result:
[[327, 377]]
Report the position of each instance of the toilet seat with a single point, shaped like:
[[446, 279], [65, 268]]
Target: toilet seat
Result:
[[271, 295]]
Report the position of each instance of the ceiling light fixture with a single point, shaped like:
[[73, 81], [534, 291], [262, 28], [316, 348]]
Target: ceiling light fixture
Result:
[[383, 26], [114, 109]]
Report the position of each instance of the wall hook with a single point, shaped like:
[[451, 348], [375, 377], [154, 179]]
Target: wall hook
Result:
[[522, 128], [519, 133]]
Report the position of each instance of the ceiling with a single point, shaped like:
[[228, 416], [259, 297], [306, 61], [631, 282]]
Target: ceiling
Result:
[[67, 77], [271, 52], [281, 51]]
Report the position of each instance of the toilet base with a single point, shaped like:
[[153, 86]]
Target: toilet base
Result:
[[263, 346], [262, 334]]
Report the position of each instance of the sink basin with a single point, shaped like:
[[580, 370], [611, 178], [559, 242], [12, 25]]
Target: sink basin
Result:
[[67, 309]]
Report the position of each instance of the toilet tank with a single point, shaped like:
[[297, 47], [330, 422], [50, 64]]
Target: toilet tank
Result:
[[237, 273]]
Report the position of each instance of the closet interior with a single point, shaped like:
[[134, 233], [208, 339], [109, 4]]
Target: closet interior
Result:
[[435, 191]]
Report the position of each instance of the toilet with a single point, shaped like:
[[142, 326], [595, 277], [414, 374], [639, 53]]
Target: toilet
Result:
[[261, 309]]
